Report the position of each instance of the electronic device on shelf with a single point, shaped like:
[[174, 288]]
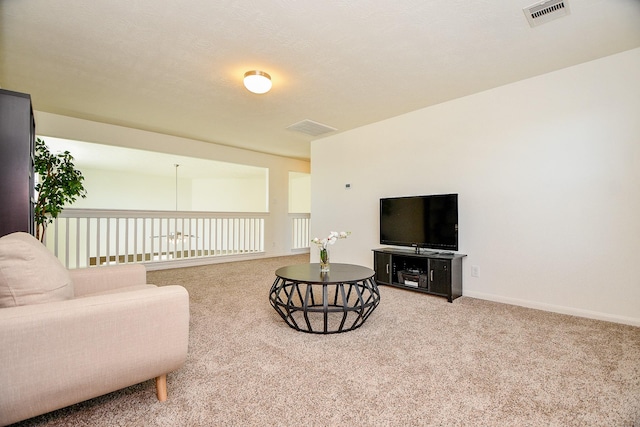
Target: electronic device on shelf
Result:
[[428, 221]]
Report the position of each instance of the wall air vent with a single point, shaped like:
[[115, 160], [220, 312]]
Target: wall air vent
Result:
[[311, 128], [546, 11]]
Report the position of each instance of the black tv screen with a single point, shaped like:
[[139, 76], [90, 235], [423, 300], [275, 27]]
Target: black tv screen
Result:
[[420, 221]]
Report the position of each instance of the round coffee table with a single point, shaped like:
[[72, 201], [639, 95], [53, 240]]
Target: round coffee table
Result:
[[324, 303]]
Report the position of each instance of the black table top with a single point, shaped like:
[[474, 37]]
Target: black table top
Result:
[[338, 273]]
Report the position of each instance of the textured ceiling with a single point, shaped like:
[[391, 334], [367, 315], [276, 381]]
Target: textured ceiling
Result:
[[176, 67]]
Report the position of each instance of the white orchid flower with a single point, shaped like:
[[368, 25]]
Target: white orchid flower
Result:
[[331, 239]]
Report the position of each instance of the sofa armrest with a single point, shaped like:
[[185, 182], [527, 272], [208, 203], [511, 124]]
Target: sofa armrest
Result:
[[92, 280], [57, 354]]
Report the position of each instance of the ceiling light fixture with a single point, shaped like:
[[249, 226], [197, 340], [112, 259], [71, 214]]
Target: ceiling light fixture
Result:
[[257, 81]]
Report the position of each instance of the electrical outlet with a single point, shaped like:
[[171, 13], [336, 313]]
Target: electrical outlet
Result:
[[475, 271]]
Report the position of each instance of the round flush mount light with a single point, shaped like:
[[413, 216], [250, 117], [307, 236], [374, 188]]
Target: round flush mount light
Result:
[[257, 81]]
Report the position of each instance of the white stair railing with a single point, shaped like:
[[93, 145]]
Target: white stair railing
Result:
[[300, 231], [86, 237]]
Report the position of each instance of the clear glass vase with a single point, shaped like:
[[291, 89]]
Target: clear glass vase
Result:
[[324, 260]]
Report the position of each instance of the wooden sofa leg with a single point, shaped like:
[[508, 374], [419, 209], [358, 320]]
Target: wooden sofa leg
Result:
[[161, 387]]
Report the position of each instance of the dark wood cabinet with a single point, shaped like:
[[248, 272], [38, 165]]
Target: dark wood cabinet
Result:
[[17, 138], [383, 268], [431, 273], [440, 276]]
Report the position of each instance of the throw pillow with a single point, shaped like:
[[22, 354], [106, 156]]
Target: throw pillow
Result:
[[29, 273]]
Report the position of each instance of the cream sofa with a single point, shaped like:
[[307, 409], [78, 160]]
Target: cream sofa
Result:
[[104, 329]]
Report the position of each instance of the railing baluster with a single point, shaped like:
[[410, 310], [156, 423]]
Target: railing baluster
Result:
[[77, 242], [55, 238], [98, 241], [66, 242], [198, 248], [126, 241], [210, 235], [108, 237], [117, 221], [135, 240], [143, 239], [88, 243]]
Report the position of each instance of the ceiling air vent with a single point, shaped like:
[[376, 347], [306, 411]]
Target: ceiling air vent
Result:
[[546, 11], [311, 128]]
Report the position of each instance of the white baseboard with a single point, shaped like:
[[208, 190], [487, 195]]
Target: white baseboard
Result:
[[555, 308]]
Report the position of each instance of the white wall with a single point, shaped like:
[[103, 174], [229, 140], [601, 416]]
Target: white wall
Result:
[[229, 195], [107, 189], [110, 189], [548, 181], [299, 192], [278, 228]]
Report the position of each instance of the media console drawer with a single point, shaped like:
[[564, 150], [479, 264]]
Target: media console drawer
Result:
[[432, 273]]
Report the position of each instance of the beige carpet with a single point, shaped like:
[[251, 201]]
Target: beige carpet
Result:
[[417, 361]]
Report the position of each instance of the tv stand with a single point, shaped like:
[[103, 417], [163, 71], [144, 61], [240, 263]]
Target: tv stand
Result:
[[428, 272]]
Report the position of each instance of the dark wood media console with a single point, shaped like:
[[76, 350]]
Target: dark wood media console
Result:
[[429, 272]]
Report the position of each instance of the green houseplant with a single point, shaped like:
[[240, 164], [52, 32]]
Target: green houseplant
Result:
[[59, 184]]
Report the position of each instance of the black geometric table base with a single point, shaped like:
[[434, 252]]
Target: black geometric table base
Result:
[[324, 308]]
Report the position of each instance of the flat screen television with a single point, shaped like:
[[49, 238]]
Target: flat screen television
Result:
[[420, 221]]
